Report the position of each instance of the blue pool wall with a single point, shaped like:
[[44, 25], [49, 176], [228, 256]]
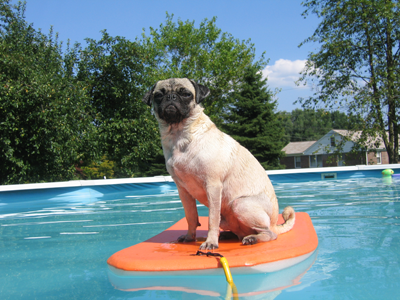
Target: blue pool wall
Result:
[[28, 197], [316, 174]]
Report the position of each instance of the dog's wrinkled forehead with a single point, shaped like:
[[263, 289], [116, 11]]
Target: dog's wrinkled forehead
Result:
[[174, 84]]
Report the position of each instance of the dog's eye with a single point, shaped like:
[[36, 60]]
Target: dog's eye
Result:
[[158, 96], [185, 93]]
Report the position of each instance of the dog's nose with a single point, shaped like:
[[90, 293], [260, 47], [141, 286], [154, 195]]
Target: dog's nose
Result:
[[171, 97]]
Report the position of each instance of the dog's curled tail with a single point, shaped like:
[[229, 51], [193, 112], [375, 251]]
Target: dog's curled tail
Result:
[[289, 217]]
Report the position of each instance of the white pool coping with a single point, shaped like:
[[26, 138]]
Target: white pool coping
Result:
[[157, 179]]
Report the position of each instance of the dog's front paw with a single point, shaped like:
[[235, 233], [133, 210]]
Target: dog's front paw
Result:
[[249, 240], [208, 246], [186, 238]]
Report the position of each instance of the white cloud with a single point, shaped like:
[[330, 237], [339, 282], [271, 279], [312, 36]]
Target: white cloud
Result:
[[284, 73]]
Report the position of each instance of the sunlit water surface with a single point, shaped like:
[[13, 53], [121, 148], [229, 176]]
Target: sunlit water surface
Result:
[[57, 248]]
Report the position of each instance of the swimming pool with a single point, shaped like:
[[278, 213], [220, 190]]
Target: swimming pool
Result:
[[54, 242]]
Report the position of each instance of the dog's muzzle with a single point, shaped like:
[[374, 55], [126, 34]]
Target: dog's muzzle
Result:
[[171, 104], [171, 97]]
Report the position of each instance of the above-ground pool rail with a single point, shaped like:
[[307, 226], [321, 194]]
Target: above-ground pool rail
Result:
[[84, 183], [330, 173], [275, 175]]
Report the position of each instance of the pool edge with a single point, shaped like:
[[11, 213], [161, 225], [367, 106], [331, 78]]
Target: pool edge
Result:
[[161, 179]]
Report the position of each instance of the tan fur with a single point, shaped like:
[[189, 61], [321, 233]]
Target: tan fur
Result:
[[210, 166]]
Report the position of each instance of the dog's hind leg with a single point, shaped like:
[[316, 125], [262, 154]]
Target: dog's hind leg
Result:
[[255, 223], [263, 235]]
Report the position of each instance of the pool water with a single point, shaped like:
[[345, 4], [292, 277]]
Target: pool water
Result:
[[56, 246]]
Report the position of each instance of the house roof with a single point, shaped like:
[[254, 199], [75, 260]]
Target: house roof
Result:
[[297, 147], [308, 147], [354, 136]]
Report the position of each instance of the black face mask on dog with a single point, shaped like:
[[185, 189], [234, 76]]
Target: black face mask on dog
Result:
[[173, 107]]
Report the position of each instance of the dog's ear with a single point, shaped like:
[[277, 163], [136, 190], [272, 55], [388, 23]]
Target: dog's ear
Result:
[[147, 98], [201, 91]]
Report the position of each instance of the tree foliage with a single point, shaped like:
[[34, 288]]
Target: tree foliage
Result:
[[204, 54], [311, 125], [358, 64], [45, 128], [104, 169], [62, 113], [115, 72], [252, 119]]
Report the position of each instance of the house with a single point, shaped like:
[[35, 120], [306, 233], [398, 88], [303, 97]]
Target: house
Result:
[[297, 155], [334, 149]]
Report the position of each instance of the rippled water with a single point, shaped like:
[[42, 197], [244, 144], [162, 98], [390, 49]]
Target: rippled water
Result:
[[56, 248]]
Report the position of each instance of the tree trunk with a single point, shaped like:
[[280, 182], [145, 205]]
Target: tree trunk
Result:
[[376, 103], [393, 147]]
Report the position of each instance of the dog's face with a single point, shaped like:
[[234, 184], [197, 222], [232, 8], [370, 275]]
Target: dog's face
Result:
[[175, 98]]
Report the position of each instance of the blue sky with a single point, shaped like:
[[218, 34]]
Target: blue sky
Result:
[[276, 27]]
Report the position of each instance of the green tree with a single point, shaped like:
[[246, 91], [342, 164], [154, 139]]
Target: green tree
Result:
[[115, 72], [44, 125], [341, 120], [99, 170], [358, 64], [156, 165], [204, 54], [285, 120], [305, 125], [311, 125], [252, 120]]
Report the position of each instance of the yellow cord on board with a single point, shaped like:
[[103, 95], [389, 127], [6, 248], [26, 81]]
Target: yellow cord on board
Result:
[[227, 271], [232, 290], [229, 279]]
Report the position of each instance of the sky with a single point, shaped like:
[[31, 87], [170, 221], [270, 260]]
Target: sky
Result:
[[275, 27]]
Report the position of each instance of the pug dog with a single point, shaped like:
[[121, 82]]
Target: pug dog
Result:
[[210, 166]]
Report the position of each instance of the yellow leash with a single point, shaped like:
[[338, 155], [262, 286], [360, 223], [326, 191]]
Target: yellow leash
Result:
[[232, 290]]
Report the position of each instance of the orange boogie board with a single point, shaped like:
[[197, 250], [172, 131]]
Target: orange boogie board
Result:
[[162, 255]]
